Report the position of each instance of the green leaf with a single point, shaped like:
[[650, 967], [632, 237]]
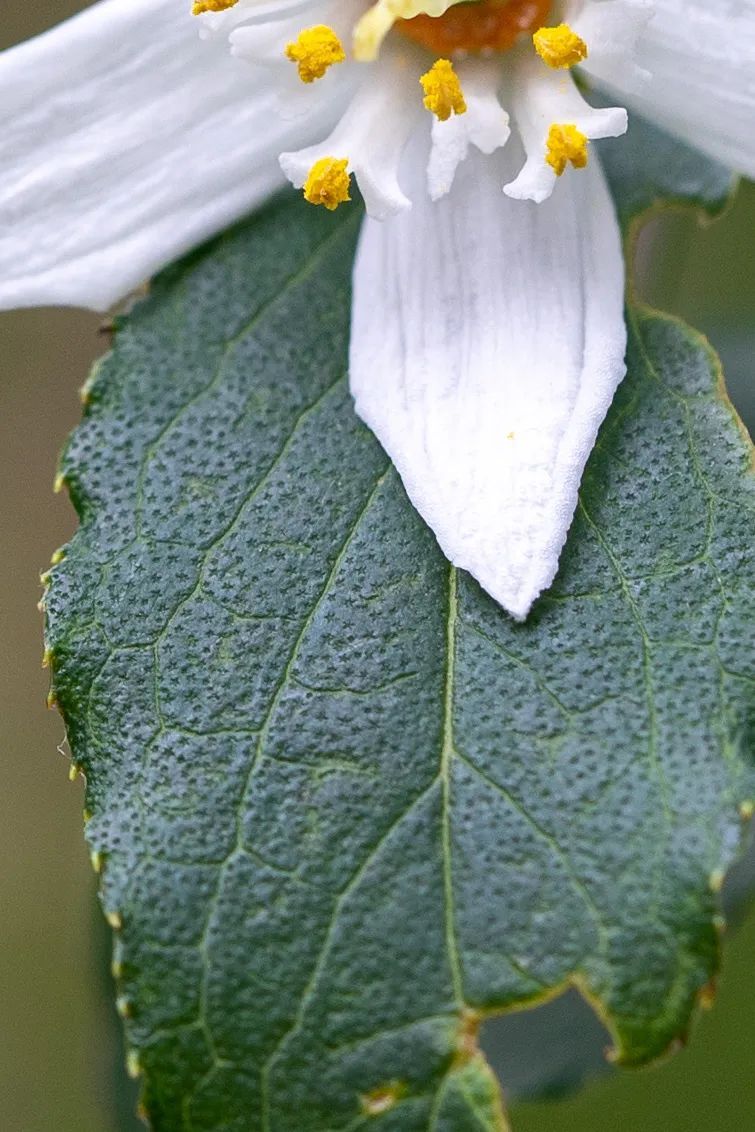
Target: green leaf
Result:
[[345, 808]]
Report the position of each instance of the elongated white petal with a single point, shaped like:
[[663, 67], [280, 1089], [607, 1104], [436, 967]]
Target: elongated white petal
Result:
[[487, 342], [371, 135], [541, 98], [701, 59], [485, 125], [126, 140]]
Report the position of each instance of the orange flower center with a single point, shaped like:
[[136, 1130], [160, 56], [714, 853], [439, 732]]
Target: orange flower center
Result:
[[480, 26]]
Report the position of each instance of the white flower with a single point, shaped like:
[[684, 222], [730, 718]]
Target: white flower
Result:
[[488, 335]]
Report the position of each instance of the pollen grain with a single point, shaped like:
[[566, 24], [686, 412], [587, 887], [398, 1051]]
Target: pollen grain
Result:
[[443, 93], [559, 47], [328, 183], [201, 6], [315, 50], [566, 144]]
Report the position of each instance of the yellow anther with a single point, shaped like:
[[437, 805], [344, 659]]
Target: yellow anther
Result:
[[314, 50], [201, 6], [328, 182], [559, 46], [566, 144], [443, 93]]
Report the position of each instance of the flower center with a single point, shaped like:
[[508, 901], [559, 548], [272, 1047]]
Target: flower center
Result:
[[555, 124], [476, 27]]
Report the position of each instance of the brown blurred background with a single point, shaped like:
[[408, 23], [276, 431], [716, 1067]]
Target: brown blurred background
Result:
[[59, 1053]]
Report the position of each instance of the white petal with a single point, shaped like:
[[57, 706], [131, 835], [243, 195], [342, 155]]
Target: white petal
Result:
[[487, 342], [126, 141], [371, 134], [540, 98], [611, 31], [484, 125], [701, 57]]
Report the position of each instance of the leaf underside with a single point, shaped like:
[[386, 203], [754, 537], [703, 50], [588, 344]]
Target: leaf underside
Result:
[[345, 808]]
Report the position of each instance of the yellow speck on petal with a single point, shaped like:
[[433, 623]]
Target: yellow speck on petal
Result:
[[314, 50], [443, 93], [201, 6], [566, 144], [328, 182], [559, 46]]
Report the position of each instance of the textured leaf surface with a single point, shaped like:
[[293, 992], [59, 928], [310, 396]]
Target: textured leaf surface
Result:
[[346, 808]]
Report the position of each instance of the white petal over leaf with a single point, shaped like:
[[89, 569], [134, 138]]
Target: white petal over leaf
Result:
[[701, 58], [487, 342], [126, 141]]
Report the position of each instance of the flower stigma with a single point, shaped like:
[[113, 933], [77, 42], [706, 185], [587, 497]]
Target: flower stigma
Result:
[[315, 50]]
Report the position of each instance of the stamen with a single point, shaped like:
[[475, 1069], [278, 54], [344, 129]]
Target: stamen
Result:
[[201, 6], [559, 47], [314, 50], [566, 144], [443, 93], [328, 182]]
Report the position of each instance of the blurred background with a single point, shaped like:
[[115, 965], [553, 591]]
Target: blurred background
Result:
[[60, 1056]]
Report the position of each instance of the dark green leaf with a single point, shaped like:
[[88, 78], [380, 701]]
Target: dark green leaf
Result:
[[346, 808]]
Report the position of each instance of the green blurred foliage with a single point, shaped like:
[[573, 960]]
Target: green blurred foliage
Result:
[[60, 1061]]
